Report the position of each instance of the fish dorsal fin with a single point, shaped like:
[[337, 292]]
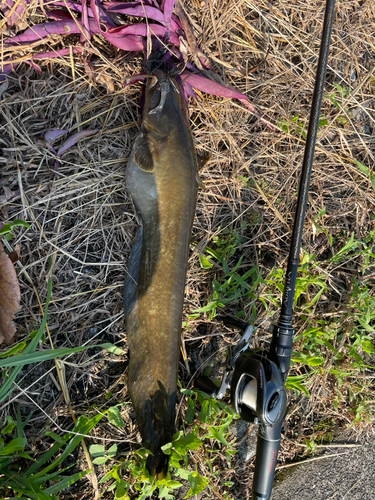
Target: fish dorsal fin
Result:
[[143, 153]]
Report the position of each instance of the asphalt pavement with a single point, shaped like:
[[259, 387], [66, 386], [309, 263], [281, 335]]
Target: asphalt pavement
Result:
[[340, 473]]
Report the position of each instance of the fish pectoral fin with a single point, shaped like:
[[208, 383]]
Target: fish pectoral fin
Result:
[[143, 154]]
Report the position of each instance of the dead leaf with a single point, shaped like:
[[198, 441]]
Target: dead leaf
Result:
[[15, 254], [10, 297]]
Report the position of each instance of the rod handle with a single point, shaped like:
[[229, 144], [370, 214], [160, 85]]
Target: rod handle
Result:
[[266, 458]]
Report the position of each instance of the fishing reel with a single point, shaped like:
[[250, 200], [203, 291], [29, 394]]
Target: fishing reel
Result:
[[256, 387]]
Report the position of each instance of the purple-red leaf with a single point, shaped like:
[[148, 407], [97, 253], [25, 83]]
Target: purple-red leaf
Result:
[[52, 135], [142, 30], [130, 43], [6, 69], [134, 79], [168, 9], [202, 83], [73, 139], [85, 35], [16, 13], [34, 65], [77, 7], [103, 21], [59, 15], [40, 31], [139, 9]]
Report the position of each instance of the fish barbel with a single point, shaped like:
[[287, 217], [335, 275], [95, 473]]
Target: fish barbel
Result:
[[161, 179]]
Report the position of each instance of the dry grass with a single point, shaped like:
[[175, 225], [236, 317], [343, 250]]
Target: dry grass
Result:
[[84, 218]]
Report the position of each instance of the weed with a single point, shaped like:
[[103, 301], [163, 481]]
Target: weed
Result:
[[367, 173], [231, 287], [295, 125], [342, 344], [339, 345], [337, 99], [209, 421], [30, 480], [6, 228], [228, 286]]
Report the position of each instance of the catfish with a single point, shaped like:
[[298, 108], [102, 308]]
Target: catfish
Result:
[[161, 180]]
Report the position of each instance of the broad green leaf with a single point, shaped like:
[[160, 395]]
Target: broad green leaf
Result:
[[314, 360], [188, 442], [14, 445], [9, 226], [169, 483], [97, 450], [209, 307], [114, 349], [322, 122], [100, 460], [372, 178], [204, 263], [13, 350], [167, 448], [197, 484], [190, 411], [213, 253], [182, 473], [228, 409], [297, 386], [164, 493], [6, 228], [219, 435], [10, 425], [367, 346], [203, 411], [121, 493], [366, 326], [107, 477], [114, 417], [111, 452]]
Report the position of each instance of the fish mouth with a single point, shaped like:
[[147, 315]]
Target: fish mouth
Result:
[[164, 90]]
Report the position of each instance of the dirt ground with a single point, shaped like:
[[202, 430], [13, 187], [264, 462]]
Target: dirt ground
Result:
[[82, 217]]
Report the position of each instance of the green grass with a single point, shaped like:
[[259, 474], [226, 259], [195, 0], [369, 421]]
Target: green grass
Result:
[[337, 346], [327, 345]]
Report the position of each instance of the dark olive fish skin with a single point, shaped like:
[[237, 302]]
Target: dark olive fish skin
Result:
[[161, 179]]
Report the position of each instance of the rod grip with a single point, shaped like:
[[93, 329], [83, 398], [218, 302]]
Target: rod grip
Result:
[[266, 458]]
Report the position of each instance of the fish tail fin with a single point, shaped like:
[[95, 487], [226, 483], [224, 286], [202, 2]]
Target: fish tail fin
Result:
[[157, 465]]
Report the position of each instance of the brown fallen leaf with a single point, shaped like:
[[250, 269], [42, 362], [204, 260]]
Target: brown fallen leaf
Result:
[[10, 297], [15, 254]]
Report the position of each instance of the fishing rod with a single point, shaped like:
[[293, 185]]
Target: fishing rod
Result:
[[256, 379]]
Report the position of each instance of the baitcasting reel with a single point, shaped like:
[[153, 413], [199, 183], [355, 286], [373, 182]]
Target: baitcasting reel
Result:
[[257, 390]]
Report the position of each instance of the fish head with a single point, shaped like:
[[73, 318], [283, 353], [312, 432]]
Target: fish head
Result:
[[162, 105]]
